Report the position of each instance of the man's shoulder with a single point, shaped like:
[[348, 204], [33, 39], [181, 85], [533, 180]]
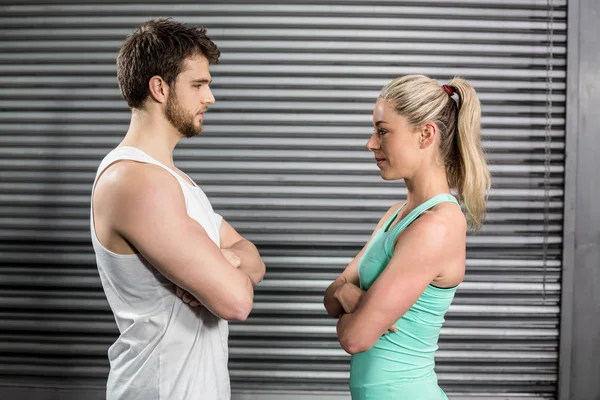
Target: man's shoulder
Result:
[[127, 180], [127, 174]]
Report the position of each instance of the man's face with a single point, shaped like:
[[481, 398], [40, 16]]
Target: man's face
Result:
[[189, 97]]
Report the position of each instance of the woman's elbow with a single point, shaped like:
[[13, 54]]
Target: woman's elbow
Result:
[[354, 345], [333, 310]]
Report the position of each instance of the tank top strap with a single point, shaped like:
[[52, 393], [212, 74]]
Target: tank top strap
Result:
[[414, 214], [134, 154]]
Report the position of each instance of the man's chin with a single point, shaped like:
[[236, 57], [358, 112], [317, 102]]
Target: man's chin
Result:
[[191, 133]]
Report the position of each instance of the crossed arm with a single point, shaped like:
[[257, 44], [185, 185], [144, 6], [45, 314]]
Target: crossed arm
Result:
[[365, 316], [145, 206], [240, 253]]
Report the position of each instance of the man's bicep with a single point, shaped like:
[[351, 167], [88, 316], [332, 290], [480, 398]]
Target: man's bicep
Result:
[[154, 220], [156, 223]]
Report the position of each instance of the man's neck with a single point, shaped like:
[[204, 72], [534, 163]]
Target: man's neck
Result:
[[153, 135]]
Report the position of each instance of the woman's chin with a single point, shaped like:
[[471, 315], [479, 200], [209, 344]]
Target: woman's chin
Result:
[[389, 176]]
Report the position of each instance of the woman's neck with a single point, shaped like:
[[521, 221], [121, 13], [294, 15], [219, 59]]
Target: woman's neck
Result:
[[426, 185]]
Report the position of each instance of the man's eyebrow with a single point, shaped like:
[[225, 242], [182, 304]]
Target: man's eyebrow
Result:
[[380, 122], [209, 81]]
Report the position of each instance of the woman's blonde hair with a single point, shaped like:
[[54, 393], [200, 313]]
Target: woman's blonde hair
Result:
[[421, 99]]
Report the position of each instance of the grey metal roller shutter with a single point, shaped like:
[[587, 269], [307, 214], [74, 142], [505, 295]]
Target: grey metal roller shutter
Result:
[[283, 158]]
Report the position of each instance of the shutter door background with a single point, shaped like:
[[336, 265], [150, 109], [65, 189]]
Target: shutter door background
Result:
[[283, 158]]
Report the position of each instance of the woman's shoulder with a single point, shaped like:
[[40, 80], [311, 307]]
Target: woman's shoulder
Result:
[[448, 215]]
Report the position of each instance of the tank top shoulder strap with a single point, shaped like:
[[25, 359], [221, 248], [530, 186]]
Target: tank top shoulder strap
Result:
[[132, 154], [414, 214]]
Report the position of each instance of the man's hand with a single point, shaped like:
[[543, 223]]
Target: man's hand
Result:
[[186, 297], [349, 296]]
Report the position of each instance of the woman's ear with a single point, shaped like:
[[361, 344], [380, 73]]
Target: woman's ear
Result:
[[427, 134]]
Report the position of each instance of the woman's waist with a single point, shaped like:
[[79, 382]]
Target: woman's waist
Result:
[[382, 366], [368, 372], [425, 388]]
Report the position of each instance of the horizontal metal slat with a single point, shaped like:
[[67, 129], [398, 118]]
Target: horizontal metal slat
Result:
[[238, 215], [69, 145], [510, 88], [291, 50], [492, 101], [250, 118], [449, 358], [343, 131], [520, 114], [291, 20], [281, 190], [300, 70], [272, 203], [217, 34], [262, 166], [279, 8], [537, 4]]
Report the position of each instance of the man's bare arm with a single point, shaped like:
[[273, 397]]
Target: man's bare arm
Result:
[[146, 206], [250, 261]]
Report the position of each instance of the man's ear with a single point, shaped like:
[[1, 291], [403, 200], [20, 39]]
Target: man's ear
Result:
[[159, 90]]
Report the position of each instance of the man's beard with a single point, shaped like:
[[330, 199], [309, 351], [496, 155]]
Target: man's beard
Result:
[[180, 118]]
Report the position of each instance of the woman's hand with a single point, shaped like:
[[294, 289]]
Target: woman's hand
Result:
[[349, 296]]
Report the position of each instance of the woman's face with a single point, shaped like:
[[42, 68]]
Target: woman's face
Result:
[[394, 143]]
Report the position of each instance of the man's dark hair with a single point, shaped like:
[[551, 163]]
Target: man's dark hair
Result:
[[159, 47]]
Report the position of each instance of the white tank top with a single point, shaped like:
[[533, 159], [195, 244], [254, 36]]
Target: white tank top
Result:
[[166, 350]]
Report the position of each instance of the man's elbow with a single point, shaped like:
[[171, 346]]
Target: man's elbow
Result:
[[238, 310]]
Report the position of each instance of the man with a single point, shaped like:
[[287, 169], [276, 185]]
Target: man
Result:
[[156, 235]]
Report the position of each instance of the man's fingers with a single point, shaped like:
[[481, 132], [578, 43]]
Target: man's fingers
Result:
[[187, 297], [393, 329], [233, 258]]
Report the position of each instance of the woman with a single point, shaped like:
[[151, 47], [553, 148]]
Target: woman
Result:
[[391, 299]]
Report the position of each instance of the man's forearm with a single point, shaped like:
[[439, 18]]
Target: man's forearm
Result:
[[251, 263]]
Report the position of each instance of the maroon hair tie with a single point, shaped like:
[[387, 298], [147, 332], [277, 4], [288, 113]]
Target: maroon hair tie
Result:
[[448, 89]]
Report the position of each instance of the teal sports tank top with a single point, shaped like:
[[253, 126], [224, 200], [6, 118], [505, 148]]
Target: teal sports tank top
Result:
[[401, 365]]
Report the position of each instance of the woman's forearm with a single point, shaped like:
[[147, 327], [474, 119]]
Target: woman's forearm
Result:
[[332, 305]]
